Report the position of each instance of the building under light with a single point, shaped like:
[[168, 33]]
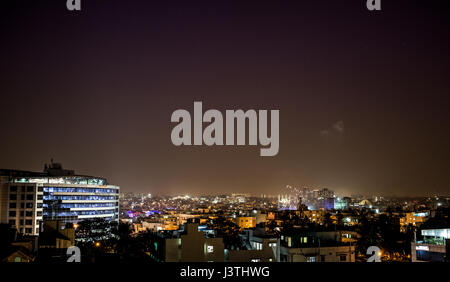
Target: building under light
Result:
[[29, 198], [413, 218], [433, 245], [287, 202], [311, 246], [341, 203]]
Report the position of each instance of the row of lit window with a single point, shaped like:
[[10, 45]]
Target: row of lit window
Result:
[[323, 258], [76, 213], [74, 219], [87, 205], [257, 246], [80, 190], [62, 197], [303, 240], [63, 180]]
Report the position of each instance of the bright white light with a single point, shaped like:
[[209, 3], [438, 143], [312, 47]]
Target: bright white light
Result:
[[422, 248]]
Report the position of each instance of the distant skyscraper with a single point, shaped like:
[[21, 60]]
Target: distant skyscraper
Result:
[[328, 203], [341, 203], [325, 193], [287, 202]]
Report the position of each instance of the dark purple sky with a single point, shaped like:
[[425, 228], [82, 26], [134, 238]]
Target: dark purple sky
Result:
[[95, 90]]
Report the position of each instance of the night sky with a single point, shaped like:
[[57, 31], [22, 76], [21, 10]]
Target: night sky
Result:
[[363, 96]]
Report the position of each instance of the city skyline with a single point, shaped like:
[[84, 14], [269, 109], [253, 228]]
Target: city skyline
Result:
[[363, 96], [286, 190]]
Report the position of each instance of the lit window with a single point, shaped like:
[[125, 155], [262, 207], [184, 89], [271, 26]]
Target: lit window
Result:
[[310, 259], [210, 249]]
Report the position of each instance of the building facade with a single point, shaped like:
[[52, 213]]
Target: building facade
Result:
[[413, 218], [29, 198], [310, 246], [188, 245], [433, 246]]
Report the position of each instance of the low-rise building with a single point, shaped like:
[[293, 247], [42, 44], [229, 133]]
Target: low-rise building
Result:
[[246, 222], [260, 246], [310, 246], [433, 245], [315, 216], [189, 245], [413, 218]]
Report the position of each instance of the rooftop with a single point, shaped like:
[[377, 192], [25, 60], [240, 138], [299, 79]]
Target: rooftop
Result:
[[52, 170]]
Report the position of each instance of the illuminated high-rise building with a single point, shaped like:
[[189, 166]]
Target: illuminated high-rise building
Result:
[[29, 198]]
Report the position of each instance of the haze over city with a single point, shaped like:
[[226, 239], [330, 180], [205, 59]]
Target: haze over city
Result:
[[363, 97]]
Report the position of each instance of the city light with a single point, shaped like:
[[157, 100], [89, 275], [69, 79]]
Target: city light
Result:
[[183, 106]]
